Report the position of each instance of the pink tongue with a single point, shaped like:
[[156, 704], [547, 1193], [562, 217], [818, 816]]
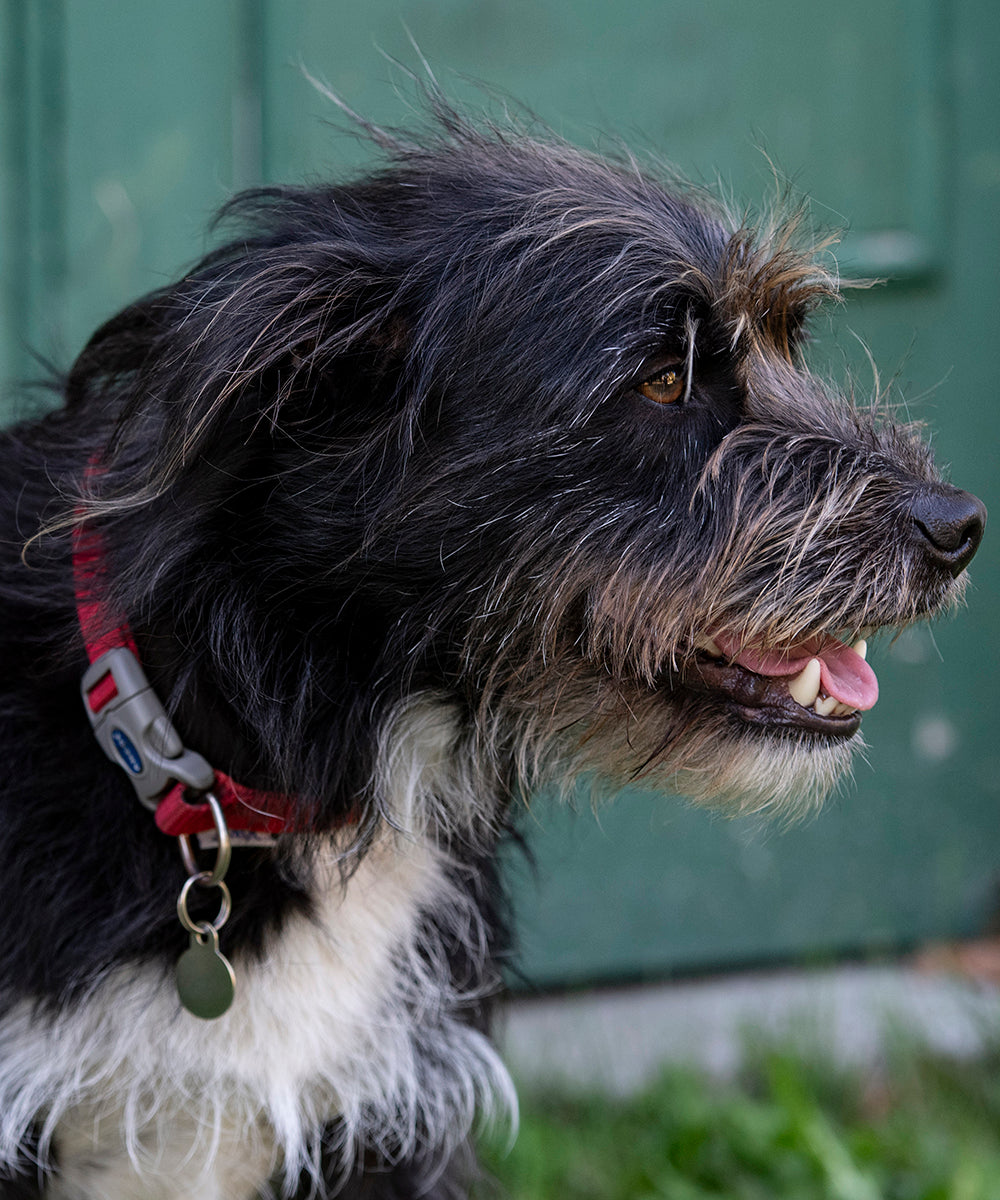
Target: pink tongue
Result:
[[843, 674]]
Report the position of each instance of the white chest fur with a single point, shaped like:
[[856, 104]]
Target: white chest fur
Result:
[[350, 1015], [144, 1100]]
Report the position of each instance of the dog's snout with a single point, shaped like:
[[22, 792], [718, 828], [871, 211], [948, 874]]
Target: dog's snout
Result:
[[949, 526]]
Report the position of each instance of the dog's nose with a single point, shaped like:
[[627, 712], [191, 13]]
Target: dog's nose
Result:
[[949, 526]]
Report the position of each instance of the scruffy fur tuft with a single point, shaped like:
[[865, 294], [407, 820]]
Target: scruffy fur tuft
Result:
[[491, 469]]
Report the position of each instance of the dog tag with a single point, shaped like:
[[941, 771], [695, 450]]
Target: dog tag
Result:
[[206, 982]]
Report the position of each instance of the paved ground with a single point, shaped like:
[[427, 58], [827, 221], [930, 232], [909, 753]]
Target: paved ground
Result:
[[618, 1038]]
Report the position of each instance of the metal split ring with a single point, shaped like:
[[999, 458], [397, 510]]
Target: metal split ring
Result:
[[223, 852], [204, 879]]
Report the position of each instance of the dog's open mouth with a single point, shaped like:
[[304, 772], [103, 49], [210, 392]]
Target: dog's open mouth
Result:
[[822, 685]]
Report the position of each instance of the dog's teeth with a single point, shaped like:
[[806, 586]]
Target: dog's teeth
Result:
[[861, 647], [842, 710], [826, 706], [708, 645], [804, 687]]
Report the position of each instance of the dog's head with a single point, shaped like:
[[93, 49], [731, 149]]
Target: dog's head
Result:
[[531, 431]]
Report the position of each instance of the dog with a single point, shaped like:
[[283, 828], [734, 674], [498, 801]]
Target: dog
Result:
[[496, 468]]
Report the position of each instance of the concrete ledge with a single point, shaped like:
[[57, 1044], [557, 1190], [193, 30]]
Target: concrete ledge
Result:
[[619, 1039]]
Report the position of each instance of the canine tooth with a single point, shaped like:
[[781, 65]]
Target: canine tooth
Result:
[[826, 706], [804, 687], [861, 647], [704, 642]]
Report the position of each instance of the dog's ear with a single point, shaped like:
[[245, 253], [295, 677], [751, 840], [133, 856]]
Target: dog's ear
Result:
[[297, 322]]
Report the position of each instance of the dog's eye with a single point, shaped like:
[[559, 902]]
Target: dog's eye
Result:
[[667, 387]]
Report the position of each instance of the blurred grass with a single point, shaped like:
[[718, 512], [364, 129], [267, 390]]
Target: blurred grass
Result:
[[916, 1127]]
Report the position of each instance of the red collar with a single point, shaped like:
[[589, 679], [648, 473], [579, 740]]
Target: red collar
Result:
[[135, 731]]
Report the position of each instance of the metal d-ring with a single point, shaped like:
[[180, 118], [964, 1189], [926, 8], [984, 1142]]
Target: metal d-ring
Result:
[[206, 982], [223, 852], [203, 878]]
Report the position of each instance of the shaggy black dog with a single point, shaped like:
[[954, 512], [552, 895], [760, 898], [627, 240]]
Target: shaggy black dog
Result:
[[493, 467]]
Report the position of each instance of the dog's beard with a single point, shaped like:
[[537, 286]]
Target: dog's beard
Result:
[[586, 725]]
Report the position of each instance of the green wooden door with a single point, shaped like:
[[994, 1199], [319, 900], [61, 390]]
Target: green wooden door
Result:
[[124, 125]]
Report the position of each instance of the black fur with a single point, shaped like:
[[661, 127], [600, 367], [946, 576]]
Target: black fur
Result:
[[390, 440]]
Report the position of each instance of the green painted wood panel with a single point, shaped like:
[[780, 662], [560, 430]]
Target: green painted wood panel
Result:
[[31, 259], [124, 125], [721, 88]]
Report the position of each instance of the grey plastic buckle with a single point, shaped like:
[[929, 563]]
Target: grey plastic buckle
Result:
[[135, 732]]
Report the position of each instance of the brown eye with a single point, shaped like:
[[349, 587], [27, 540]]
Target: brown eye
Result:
[[666, 388]]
